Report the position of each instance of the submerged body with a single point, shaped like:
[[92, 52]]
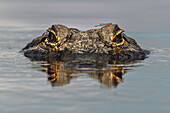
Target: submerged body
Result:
[[91, 46]]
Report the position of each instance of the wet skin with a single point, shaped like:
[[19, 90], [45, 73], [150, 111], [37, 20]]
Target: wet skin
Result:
[[87, 47]]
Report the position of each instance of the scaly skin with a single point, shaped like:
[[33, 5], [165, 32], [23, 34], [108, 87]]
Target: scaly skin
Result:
[[91, 46]]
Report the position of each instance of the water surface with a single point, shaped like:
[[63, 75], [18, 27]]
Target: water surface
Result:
[[24, 84], [136, 87]]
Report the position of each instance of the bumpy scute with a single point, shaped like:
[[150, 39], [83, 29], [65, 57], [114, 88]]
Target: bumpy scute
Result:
[[63, 43]]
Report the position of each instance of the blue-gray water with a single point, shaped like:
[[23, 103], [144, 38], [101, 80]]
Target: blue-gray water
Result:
[[24, 87]]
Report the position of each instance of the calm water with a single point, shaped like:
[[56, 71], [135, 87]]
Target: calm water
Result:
[[138, 87], [24, 85]]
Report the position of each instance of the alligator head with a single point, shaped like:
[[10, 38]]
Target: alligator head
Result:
[[91, 46]]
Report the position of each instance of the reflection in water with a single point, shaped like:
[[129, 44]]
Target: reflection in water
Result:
[[60, 74]]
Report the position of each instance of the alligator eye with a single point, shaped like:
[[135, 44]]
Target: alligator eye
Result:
[[118, 38], [118, 34], [52, 36]]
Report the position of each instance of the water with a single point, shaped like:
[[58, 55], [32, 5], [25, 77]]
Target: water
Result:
[[142, 87]]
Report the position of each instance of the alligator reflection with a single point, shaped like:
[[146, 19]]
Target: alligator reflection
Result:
[[60, 75]]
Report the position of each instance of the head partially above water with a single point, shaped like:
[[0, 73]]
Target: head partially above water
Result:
[[72, 45]]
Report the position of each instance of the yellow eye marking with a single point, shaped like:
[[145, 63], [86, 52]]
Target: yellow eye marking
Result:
[[120, 31], [118, 44], [113, 37], [51, 31]]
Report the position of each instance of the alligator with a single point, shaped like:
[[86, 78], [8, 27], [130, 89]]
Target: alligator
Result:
[[100, 45]]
